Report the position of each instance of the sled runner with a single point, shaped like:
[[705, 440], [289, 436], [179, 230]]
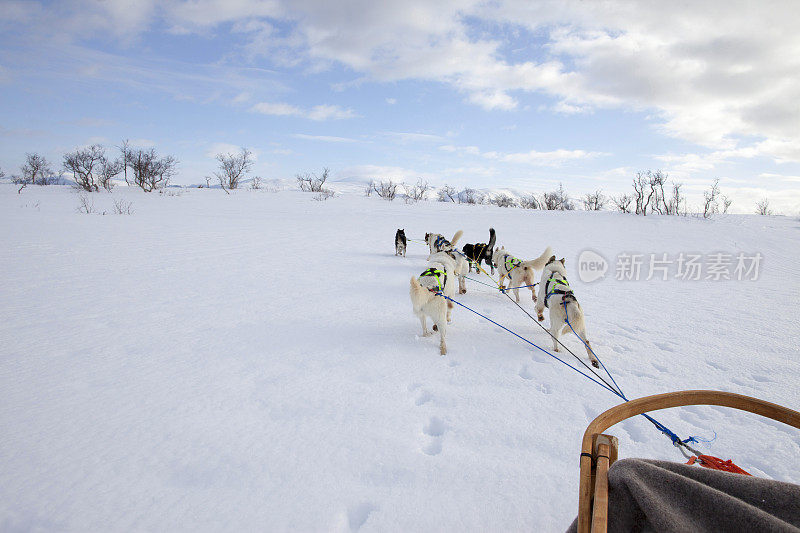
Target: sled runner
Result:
[[728, 497]]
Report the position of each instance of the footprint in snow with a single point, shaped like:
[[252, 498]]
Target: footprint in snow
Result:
[[664, 346], [525, 373], [660, 368], [357, 515], [714, 364], [762, 379], [434, 429], [423, 397]]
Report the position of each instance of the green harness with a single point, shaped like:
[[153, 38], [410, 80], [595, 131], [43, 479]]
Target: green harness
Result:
[[561, 287], [511, 263], [438, 274]]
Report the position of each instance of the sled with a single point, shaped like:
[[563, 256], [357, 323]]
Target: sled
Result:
[[599, 451]]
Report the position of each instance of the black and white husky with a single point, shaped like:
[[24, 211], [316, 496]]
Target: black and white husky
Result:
[[426, 295], [556, 294], [438, 243], [519, 273], [481, 251], [400, 242]]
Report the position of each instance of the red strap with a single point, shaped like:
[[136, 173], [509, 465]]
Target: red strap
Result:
[[715, 463]]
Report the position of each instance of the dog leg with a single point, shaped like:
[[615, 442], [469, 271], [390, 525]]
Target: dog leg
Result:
[[555, 331], [442, 345], [449, 309], [425, 332]]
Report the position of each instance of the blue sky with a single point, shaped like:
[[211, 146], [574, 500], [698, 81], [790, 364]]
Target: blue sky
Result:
[[482, 94]]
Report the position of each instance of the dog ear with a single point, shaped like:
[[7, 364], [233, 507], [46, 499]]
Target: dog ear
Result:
[[552, 258], [562, 260]]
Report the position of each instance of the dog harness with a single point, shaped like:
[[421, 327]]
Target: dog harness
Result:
[[441, 278], [440, 242], [512, 261], [561, 287]]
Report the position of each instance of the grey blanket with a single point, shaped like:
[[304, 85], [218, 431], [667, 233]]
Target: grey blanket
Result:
[[662, 496]]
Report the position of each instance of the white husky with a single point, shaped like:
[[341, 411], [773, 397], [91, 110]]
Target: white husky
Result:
[[426, 301], [519, 273], [555, 293], [438, 243]]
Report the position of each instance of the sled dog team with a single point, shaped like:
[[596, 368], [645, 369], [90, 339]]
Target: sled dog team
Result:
[[432, 291]]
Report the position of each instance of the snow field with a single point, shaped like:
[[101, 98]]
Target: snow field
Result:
[[251, 362]]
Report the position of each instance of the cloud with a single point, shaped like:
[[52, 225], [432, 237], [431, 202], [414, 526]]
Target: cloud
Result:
[[324, 138], [722, 75], [552, 158], [410, 137], [318, 112]]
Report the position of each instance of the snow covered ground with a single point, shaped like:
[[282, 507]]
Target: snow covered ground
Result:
[[251, 362]]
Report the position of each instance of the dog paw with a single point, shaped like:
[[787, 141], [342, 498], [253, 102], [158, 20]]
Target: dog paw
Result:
[[540, 318], [595, 364], [435, 328]]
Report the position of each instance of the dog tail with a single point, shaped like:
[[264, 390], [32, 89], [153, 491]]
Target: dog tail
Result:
[[492, 239], [539, 262], [455, 238], [418, 292]]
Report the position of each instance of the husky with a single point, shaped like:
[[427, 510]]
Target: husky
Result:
[[556, 294], [438, 243], [400, 242], [519, 273], [480, 252], [426, 296]]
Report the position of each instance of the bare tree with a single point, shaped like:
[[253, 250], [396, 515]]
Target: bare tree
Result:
[[529, 201], [557, 200], [622, 202], [257, 183], [233, 168], [418, 191], [149, 171], [710, 205], [640, 183], [121, 207], [369, 188], [37, 171], [503, 200], [312, 182], [762, 207], [91, 169], [2, 174], [447, 194], [726, 203], [386, 189], [85, 205], [594, 201], [125, 152], [657, 198], [674, 205], [470, 196]]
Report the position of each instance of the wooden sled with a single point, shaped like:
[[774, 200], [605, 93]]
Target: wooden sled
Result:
[[599, 451]]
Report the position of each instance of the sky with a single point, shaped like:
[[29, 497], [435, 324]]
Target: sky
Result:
[[499, 94]]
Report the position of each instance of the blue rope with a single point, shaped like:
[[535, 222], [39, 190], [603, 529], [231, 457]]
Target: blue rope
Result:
[[607, 387], [676, 441]]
